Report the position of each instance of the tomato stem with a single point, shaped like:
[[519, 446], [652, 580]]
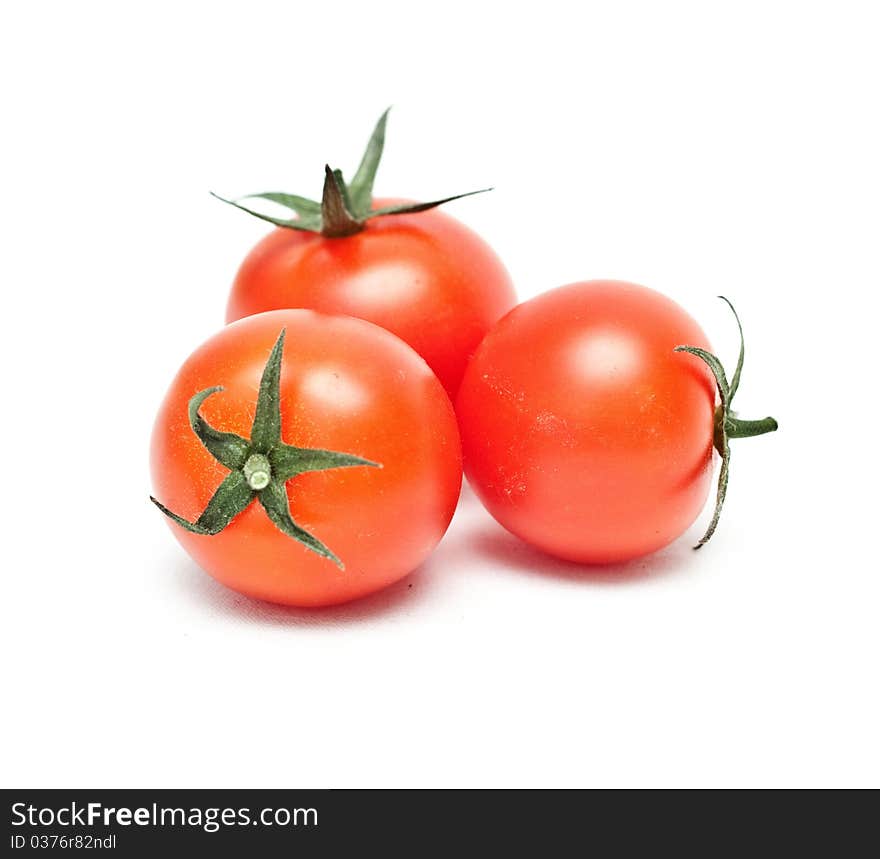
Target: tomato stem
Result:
[[345, 208], [726, 423], [337, 221], [257, 471], [738, 428]]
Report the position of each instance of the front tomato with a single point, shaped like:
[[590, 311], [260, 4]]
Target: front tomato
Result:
[[326, 467], [586, 430]]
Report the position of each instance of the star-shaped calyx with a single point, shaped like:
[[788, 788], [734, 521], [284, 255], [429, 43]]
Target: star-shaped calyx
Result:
[[259, 468], [727, 424], [345, 207]]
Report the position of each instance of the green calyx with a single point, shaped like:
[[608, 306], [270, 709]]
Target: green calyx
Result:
[[261, 467], [344, 208], [727, 424]]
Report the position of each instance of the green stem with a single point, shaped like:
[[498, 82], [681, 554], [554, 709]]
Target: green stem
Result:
[[257, 471], [337, 222], [738, 428]]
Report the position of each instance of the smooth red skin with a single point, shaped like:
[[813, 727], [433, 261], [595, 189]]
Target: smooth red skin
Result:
[[346, 385], [583, 432], [425, 277]]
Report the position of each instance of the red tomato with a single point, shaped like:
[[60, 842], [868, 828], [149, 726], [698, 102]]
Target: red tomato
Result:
[[424, 276], [345, 386], [583, 432]]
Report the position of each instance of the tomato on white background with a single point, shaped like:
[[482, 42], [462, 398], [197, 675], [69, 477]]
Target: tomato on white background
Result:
[[341, 463]]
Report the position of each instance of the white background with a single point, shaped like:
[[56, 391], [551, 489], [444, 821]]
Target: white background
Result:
[[699, 148]]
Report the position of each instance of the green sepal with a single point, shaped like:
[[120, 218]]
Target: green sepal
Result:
[[715, 366], [726, 424], [288, 461], [361, 187], [231, 497], [410, 208], [339, 180], [266, 429], [721, 490], [306, 225], [264, 458], [304, 207], [227, 448], [345, 208], [275, 503], [734, 382]]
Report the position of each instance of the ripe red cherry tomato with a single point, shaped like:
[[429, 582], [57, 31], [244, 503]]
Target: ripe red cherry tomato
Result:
[[584, 432], [404, 266], [350, 397], [425, 277]]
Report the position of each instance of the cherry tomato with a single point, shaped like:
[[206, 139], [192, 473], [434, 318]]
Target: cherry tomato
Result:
[[424, 276], [365, 428], [584, 432]]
